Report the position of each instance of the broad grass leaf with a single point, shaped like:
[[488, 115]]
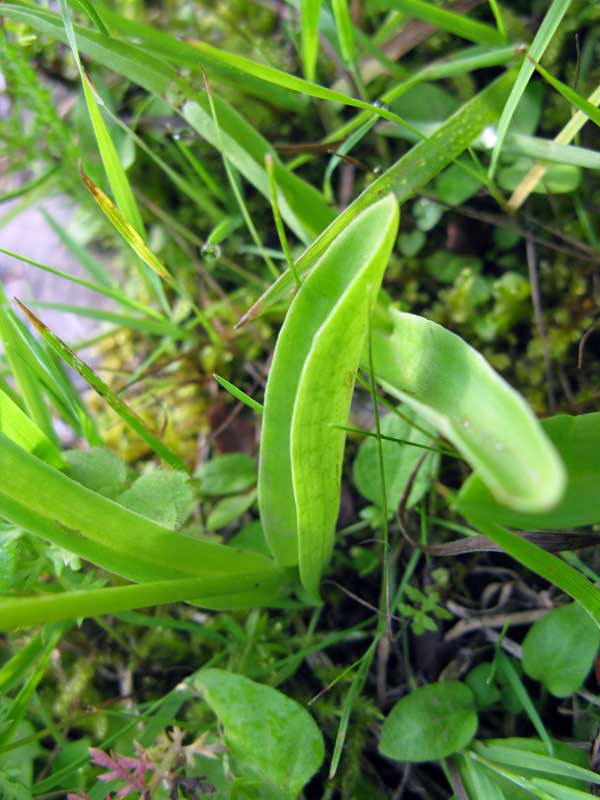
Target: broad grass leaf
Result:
[[269, 733], [430, 723], [450, 384], [577, 440], [399, 461], [309, 388], [560, 648]]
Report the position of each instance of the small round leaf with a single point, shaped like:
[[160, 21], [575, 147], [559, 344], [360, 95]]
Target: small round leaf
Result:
[[430, 723]]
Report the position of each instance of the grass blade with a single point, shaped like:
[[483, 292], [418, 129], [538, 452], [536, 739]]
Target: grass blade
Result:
[[309, 33], [236, 591], [575, 99], [547, 565], [15, 424], [410, 173], [449, 21], [114, 401], [542, 39], [126, 230]]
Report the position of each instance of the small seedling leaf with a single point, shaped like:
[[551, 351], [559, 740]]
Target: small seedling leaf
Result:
[[165, 497], [560, 648], [264, 729], [430, 723], [227, 474]]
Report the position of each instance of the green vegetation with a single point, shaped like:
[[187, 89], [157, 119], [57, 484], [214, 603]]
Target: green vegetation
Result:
[[297, 518]]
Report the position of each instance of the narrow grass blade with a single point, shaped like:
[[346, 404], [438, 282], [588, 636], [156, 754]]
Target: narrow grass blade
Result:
[[94, 16], [511, 676], [269, 164], [303, 208], [236, 591], [542, 39], [234, 184], [238, 394], [309, 34], [155, 327], [310, 385], [102, 531], [537, 172], [119, 406], [548, 566], [126, 230], [548, 150], [345, 30], [284, 79], [410, 173], [585, 106], [450, 385], [449, 21], [19, 359], [184, 53], [15, 710], [103, 289]]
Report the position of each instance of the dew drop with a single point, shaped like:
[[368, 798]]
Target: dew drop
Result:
[[211, 252]]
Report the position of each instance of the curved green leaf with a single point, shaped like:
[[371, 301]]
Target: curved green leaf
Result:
[[270, 735], [577, 440], [310, 386], [451, 385]]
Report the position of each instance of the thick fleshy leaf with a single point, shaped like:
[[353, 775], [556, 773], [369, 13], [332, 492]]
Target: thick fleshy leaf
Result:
[[270, 735], [577, 440], [309, 388], [451, 385]]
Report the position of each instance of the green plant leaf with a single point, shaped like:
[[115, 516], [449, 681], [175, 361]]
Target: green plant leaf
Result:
[[227, 474], [577, 440], [98, 469], [451, 386], [430, 723], [544, 34], [309, 33], [267, 732], [15, 424], [165, 497], [229, 509], [450, 21], [309, 388], [560, 648], [399, 461]]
